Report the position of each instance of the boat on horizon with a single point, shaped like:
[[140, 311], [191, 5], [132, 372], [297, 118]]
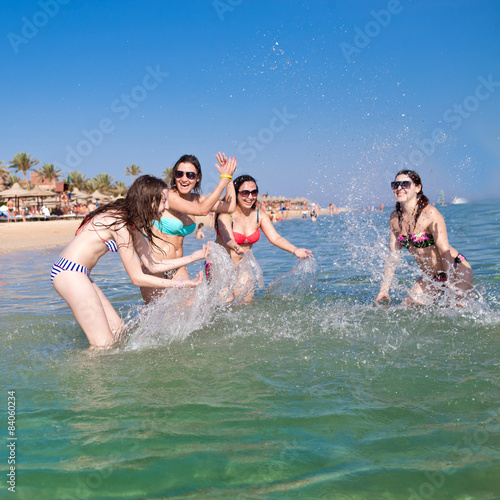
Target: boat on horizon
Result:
[[459, 201]]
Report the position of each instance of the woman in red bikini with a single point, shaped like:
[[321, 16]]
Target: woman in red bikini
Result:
[[237, 232], [421, 229]]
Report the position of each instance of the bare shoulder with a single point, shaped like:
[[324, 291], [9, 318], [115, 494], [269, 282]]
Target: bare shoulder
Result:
[[432, 214]]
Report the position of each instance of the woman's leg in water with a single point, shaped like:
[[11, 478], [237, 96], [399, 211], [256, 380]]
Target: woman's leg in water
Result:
[[92, 310], [423, 293]]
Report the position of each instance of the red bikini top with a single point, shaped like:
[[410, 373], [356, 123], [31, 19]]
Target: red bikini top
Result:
[[242, 239]]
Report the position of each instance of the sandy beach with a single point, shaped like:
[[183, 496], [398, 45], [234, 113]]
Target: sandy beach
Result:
[[37, 235]]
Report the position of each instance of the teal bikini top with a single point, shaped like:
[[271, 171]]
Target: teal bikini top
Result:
[[173, 227]]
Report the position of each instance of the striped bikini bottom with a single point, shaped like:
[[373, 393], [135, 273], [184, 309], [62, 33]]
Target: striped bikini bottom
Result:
[[62, 264]]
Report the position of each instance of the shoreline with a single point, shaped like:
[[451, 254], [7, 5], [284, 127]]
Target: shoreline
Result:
[[40, 235]]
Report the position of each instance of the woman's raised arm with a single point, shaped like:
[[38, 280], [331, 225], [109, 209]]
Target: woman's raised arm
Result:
[[176, 202]]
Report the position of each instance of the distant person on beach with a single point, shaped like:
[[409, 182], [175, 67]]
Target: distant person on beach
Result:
[[420, 228], [314, 214], [11, 210], [199, 233], [239, 231], [120, 226], [184, 202]]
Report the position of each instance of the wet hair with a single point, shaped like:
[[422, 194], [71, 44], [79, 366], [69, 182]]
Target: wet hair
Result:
[[200, 225], [138, 210], [196, 164], [242, 179], [422, 200]]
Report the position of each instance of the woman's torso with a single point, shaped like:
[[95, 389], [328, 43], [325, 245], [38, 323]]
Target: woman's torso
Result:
[[246, 231], [92, 241], [419, 240], [171, 230]]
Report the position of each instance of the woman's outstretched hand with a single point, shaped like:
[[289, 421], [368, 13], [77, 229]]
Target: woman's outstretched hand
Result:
[[302, 253], [225, 166], [193, 283], [201, 254]]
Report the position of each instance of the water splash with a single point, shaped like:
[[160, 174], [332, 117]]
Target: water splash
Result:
[[296, 283], [178, 313]]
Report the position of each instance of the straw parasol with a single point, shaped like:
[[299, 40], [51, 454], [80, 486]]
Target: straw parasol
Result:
[[96, 195], [16, 192], [78, 195]]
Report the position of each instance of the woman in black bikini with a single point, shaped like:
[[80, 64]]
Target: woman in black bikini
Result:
[[421, 229]]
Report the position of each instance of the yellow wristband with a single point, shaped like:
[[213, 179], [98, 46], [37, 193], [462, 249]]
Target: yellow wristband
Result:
[[228, 176]]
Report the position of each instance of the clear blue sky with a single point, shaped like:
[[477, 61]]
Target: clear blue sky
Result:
[[321, 98]]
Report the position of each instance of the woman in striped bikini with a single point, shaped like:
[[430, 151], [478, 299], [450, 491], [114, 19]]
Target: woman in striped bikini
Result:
[[421, 229], [121, 226]]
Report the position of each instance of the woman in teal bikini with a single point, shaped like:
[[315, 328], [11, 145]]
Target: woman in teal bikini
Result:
[[185, 202], [421, 229]]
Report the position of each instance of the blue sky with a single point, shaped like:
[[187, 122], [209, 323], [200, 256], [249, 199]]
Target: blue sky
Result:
[[321, 98]]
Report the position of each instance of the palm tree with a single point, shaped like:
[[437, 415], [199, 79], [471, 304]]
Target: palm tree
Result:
[[13, 179], [133, 170], [119, 189], [22, 162], [77, 179], [167, 174], [4, 173], [102, 182], [48, 172]]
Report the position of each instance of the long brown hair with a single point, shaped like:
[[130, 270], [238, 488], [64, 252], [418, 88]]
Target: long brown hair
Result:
[[422, 200], [138, 210]]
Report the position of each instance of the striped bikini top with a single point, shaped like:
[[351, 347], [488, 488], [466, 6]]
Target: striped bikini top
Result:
[[111, 244]]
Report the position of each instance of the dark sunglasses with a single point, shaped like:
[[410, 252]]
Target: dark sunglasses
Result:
[[179, 174], [401, 184], [245, 193]]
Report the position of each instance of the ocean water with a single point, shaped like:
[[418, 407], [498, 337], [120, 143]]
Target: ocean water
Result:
[[310, 391]]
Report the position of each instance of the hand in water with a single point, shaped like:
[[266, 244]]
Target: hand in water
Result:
[[383, 298], [302, 253], [193, 283]]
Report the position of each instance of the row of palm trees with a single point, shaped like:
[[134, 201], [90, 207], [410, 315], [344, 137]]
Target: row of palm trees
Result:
[[22, 162]]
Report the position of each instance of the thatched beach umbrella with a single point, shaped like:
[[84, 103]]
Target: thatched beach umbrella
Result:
[[96, 195], [16, 192]]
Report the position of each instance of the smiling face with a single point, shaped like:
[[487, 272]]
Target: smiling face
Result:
[[247, 194], [186, 177], [405, 194]]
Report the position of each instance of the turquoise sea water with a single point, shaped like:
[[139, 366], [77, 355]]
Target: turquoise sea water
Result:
[[311, 391]]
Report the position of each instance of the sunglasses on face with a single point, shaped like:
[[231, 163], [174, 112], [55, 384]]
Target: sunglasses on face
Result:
[[401, 184], [245, 193], [179, 174]]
